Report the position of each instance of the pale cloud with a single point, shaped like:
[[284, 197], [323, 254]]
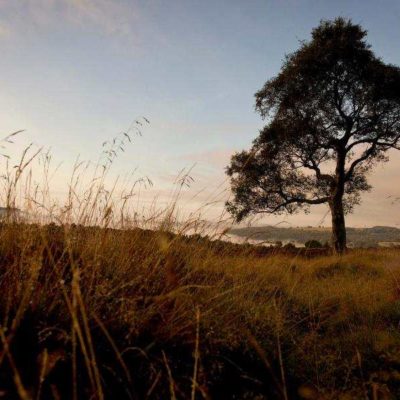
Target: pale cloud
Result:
[[218, 158], [113, 18]]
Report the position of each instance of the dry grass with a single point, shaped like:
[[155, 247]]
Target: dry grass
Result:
[[90, 312]]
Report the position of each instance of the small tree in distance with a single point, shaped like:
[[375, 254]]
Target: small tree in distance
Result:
[[333, 112]]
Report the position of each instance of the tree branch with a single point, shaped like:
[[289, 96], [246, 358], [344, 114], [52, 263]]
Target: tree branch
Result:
[[296, 200]]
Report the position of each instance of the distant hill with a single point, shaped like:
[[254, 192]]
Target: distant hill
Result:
[[8, 211], [384, 236]]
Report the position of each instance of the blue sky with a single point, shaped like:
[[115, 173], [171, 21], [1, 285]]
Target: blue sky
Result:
[[74, 73]]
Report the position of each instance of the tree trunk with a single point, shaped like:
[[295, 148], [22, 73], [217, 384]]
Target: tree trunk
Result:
[[338, 225]]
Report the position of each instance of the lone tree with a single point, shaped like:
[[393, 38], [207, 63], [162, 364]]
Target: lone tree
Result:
[[333, 112]]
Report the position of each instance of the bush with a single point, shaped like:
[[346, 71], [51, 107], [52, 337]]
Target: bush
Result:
[[313, 244], [289, 246]]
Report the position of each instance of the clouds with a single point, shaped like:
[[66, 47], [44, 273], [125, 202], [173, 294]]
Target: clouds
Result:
[[218, 158], [75, 72], [112, 18]]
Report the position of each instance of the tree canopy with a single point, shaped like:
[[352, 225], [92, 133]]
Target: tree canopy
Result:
[[332, 113]]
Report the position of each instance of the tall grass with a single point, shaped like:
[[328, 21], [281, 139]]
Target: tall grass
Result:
[[99, 301]]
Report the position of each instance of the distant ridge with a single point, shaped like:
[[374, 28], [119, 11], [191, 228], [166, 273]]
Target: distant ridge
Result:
[[5, 210], [375, 236]]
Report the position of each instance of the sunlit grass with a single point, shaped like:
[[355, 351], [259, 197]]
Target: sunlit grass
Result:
[[89, 311]]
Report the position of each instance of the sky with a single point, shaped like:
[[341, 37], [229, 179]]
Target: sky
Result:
[[75, 73]]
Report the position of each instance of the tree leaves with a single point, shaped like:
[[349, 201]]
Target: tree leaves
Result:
[[333, 112]]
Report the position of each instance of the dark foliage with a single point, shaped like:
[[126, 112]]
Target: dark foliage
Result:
[[313, 244]]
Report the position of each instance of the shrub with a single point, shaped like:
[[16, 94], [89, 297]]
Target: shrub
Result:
[[313, 244]]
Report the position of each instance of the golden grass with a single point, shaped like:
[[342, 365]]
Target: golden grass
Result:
[[90, 312]]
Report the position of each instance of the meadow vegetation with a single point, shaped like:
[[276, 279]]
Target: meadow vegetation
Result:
[[104, 313], [97, 303]]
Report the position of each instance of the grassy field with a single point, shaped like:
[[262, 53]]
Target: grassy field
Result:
[[102, 313], [90, 312]]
